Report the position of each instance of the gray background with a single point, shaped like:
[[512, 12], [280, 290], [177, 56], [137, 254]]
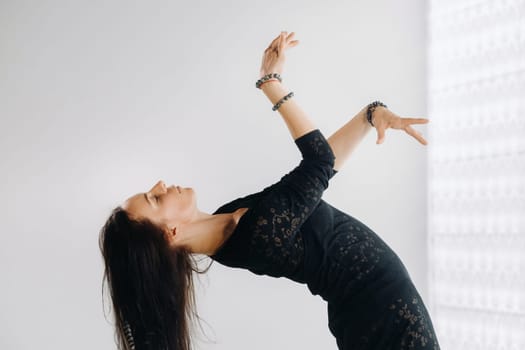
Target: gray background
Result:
[[99, 100]]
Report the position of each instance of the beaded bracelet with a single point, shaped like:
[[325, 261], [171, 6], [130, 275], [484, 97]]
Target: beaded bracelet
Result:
[[264, 82], [269, 77], [371, 108], [129, 335], [266, 78], [281, 101]]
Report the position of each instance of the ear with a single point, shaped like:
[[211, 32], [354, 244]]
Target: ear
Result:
[[170, 236], [170, 233]]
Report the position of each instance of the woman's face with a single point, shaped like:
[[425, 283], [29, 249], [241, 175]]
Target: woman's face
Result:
[[165, 206]]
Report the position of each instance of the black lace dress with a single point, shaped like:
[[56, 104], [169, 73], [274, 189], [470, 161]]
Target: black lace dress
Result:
[[289, 231]]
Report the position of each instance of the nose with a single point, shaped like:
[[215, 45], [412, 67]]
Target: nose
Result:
[[159, 185]]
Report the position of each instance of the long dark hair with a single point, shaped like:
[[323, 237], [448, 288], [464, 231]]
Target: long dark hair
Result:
[[151, 284]]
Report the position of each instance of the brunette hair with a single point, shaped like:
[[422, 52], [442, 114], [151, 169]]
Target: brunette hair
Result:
[[151, 284]]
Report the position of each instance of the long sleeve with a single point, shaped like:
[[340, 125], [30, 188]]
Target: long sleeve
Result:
[[266, 239], [299, 191], [316, 167], [287, 204], [289, 231]]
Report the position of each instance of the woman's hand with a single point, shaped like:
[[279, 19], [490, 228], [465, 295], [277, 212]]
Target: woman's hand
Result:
[[383, 118], [273, 58]]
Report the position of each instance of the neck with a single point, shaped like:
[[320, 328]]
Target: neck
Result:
[[205, 233]]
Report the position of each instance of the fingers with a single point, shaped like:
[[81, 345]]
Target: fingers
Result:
[[380, 135], [274, 44], [400, 123], [285, 39], [289, 42], [275, 41], [282, 41], [416, 120], [409, 130]]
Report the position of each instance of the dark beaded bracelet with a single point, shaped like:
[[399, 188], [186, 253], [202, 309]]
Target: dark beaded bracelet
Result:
[[281, 101], [266, 78], [371, 108], [267, 81], [129, 335]]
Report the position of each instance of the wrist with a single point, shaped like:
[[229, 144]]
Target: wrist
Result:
[[371, 111], [274, 90], [362, 116], [267, 82], [267, 77]]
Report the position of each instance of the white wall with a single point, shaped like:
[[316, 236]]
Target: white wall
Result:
[[99, 100]]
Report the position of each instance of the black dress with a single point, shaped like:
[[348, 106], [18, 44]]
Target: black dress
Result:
[[289, 231]]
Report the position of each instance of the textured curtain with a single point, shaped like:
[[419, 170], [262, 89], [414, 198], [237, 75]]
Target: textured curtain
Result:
[[476, 169]]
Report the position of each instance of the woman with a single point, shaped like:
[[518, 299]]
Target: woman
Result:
[[285, 230]]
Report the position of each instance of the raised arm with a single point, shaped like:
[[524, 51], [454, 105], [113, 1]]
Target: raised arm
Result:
[[273, 60], [296, 119], [343, 142], [346, 139]]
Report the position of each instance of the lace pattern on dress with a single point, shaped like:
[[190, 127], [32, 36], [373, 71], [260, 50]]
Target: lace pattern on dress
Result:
[[409, 315], [276, 237], [419, 332], [358, 248], [276, 234]]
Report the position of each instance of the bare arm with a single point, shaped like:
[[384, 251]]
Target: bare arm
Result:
[[343, 142], [296, 119], [346, 139]]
